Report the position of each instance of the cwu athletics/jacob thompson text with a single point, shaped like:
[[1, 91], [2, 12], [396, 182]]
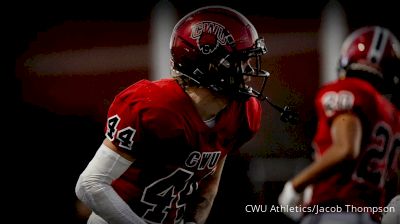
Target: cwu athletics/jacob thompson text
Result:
[[316, 209]]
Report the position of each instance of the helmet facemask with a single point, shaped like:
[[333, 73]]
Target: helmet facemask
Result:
[[237, 74]]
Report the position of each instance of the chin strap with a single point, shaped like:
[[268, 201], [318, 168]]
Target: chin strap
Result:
[[288, 115]]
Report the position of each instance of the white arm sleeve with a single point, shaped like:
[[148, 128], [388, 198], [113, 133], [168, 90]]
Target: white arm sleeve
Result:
[[94, 187]]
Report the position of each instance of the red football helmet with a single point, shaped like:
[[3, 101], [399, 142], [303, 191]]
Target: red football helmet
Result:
[[374, 51], [213, 46]]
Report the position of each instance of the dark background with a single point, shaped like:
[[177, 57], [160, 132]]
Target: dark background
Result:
[[56, 121]]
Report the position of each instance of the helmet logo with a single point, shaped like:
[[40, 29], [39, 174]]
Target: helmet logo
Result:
[[209, 35]]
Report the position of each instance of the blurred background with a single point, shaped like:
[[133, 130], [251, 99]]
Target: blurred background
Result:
[[72, 58]]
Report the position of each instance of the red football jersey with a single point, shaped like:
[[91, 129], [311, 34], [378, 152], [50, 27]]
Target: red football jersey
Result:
[[360, 182], [158, 124]]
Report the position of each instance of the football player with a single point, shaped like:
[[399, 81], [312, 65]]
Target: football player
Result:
[[166, 141], [357, 141]]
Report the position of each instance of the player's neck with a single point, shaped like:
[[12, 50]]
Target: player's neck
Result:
[[207, 103]]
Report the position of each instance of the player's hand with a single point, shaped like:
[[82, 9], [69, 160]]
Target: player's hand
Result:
[[289, 197], [392, 217]]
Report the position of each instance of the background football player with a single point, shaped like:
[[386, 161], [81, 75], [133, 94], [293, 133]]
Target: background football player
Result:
[[357, 141], [167, 140]]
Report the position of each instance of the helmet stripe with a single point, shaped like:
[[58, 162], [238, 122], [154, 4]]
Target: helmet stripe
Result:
[[378, 44]]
